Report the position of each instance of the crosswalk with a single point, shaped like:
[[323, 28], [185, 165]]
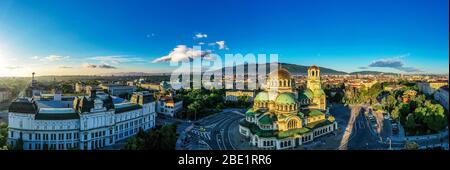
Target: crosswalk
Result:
[[204, 135]]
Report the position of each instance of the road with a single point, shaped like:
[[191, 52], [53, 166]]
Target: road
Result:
[[4, 107], [214, 131], [219, 128], [365, 137]]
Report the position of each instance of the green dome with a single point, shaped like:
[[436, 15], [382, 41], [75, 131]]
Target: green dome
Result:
[[250, 112], [306, 94], [262, 96], [285, 98], [267, 119]]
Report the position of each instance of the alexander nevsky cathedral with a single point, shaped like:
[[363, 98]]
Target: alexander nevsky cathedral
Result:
[[282, 117]]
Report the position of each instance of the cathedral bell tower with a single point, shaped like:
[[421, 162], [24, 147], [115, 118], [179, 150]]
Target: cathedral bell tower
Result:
[[313, 80]]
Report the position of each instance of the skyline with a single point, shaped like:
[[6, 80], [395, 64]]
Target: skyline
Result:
[[73, 38]]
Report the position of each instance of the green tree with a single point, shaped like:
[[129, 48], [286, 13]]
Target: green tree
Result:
[[410, 121], [395, 113], [19, 144], [436, 120], [156, 139], [3, 134], [243, 101], [411, 146]]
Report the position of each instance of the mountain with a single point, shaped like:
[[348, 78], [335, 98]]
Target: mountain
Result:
[[300, 69], [294, 69]]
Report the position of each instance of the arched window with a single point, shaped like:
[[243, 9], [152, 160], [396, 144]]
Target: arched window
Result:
[[292, 124]]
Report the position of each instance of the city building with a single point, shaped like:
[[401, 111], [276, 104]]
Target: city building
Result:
[[233, 95], [431, 86], [441, 95], [278, 120], [90, 88], [169, 106], [163, 86], [5, 94], [80, 87], [86, 123], [394, 87], [116, 89], [313, 96]]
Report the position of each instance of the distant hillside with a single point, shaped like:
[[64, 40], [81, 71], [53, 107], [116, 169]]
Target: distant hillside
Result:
[[371, 73], [300, 69], [295, 69]]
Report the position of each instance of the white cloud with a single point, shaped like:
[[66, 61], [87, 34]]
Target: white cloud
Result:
[[183, 53], [393, 62], [101, 66], [117, 59], [13, 67], [221, 44], [200, 35], [53, 58]]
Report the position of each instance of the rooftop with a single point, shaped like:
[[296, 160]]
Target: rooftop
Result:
[[56, 114], [125, 107]]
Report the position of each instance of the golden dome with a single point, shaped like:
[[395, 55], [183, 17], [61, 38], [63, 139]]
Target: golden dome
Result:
[[313, 67], [280, 74]]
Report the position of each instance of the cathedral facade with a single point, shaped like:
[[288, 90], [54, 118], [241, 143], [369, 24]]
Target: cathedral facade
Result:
[[283, 118]]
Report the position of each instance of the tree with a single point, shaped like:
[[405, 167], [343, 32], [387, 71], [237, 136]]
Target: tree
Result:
[[436, 120], [411, 146], [194, 108], [3, 134], [410, 121], [395, 113], [19, 144], [156, 139], [243, 101]]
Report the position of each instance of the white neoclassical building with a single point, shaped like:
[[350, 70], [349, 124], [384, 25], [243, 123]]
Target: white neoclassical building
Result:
[[89, 122]]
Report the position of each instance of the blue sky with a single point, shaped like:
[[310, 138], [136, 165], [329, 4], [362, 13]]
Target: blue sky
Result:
[[86, 37]]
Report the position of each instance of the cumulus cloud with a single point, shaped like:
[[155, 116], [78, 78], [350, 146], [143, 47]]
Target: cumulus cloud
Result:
[[106, 66], [390, 62], [185, 54], [53, 58], [394, 62], [200, 35], [221, 44]]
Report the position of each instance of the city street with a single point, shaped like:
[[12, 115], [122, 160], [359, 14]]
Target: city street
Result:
[[220, 131]]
